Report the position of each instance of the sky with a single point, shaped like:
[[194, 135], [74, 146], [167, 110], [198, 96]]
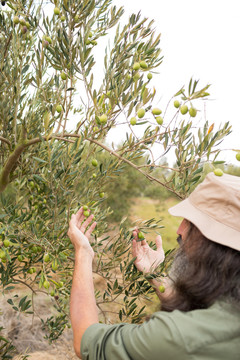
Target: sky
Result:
[[199, 39]]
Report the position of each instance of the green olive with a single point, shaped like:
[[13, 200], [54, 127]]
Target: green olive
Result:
[[218, 172], [46, 258], [133, 121], [141, 113], [6, 243], [54, 265], [140, 235], [20, 258], [136, 66], [16, 20], [143, 64], [159, 120], [184, 109], [156, 111], [2, 254], [94, 162], [56, 11], [46, 284], [59, 108], [103, 119], [63, 76], [176, 104], [192, 112]]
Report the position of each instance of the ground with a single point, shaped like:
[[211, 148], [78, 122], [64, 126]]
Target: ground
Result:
[[26, 333]]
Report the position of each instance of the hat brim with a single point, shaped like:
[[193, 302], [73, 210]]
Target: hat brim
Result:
[[209, 227]]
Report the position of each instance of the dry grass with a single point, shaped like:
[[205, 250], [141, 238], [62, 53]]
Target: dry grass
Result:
[[26, 333]]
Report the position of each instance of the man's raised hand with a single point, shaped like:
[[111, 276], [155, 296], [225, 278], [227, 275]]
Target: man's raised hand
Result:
[[79, 232], [147, 259]]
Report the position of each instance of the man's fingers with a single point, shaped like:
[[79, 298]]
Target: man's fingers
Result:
[[73, 220], [86, 223], [159, 243], [91, 228], [79, 216], [78, 221], [135, 233], [139, 243], [134, 247], [79, 213]]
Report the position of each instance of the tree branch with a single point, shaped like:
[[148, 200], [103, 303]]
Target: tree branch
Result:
[[9, 166], [112, 152], [23, 282], [4, 180], [148, 176], [5, 140]]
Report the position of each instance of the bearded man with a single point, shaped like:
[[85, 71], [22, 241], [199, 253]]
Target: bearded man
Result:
[[200, 310]]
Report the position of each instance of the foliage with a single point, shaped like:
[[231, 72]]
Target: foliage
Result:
[[231, 169], [152, 189], [54, 119], [7, 350], [126, 184]]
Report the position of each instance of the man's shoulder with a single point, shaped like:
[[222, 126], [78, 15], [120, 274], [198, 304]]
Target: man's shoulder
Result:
[[220, 312], [204, 327]]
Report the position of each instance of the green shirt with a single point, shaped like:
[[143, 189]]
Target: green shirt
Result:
[[209, 334]]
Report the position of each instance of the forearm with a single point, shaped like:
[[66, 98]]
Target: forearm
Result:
[[83, 309]]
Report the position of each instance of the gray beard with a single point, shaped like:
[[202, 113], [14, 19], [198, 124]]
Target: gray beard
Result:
[[179, 267]]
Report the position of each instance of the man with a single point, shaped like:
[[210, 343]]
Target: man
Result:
[[200, 312]]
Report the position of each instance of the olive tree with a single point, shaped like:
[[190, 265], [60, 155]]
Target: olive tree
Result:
[[54, 120]]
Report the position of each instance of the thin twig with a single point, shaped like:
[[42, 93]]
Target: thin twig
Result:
[[23, 282], [5, 140]]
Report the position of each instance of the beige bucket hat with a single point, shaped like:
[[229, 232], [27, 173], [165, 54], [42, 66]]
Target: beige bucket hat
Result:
[[214, 208]]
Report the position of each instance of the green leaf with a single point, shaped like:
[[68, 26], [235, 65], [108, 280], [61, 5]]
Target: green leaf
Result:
[[198, 171], [179, 92], [141, 122], [41, 138], [8, 288], [25, 69], [195, 179], [38, 177], [189, 86], [21, 302], [218, 162], [39, 160]]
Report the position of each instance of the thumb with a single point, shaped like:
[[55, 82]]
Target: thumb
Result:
[[159, 243], [135, 233]]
